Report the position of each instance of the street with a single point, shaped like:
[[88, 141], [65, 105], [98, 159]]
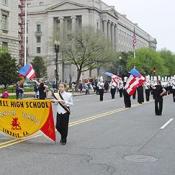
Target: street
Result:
[[104, 139]]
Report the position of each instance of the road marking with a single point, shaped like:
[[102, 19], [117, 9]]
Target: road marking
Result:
[[71, 124], [167, 123]]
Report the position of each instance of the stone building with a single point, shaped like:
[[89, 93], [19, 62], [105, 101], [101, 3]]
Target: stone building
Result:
[[9, 26], [46, 17]]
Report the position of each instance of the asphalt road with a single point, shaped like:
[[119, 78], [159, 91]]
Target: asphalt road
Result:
[[104, 139]]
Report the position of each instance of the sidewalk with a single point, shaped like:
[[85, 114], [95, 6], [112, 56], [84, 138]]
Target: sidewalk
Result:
[[73, 93]]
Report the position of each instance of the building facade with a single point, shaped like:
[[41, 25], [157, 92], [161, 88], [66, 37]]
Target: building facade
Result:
[[9, 26], [46, 18]]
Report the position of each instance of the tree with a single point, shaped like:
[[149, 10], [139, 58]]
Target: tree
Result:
[[119, 64], [148, 61], [8, 69], [169, 60], [39, 67], [87, 50]]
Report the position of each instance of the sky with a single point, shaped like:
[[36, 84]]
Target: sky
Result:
[[157, 17]]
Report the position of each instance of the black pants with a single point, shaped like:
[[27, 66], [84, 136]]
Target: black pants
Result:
[[134, 95], [147, 92], [113, 91], [62, 125], [121, 92], [173, 91], [158, 106], [127, 99], [101, 93]]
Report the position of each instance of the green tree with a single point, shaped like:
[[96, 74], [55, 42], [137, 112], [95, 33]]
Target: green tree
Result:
[[169, 60], [119, 64], [39, 67], [8, 69], [146, 61], [87, 50]]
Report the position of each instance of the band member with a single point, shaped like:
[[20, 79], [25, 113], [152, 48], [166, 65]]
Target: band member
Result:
[[127, 99], [120, 87], [63, 100], [140, 95], [158, 91], [113, 89], [173, 88], [101, 88], [147, 90]]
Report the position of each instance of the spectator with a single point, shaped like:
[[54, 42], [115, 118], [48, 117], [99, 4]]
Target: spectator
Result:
[[5, 93]]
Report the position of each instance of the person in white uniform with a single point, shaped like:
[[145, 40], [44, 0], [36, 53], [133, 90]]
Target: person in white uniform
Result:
[[173, 88], [63, 100]]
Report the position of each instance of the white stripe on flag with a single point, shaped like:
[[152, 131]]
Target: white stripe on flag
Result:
[[30, 74]]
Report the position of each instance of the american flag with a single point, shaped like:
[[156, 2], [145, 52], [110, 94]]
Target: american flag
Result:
[[134, 39], [114, 77], [134, 81], [27, 71]]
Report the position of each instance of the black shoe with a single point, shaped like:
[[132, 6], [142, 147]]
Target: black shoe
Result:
[[63, 141]]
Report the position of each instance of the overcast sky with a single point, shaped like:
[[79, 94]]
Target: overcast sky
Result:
[[157, 17]]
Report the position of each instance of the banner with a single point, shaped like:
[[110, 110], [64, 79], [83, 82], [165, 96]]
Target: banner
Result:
[[22, 118]]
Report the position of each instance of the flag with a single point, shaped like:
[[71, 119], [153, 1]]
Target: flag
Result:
[[134, 81], [134, 39], [114, 77], [27, 71], [48, 128]]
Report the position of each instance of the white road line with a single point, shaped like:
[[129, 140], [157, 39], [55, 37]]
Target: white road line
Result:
[[167, 123]]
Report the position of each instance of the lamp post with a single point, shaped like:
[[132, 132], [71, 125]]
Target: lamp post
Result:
[[57, 49], [119, 66]]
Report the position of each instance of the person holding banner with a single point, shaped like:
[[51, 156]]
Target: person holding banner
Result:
[[63, 100]]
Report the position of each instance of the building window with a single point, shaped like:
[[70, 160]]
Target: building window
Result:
[[41, 3], [4, 20], [38, 50], [5, 45], [38, 27], [38, 39], [5, 2]]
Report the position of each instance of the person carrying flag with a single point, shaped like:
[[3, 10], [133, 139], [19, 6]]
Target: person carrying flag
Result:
[[134, 81]]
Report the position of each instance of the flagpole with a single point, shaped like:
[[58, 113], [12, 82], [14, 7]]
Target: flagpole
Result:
[[25, 36], [134, 42]]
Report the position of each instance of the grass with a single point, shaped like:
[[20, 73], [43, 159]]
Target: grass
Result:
[[13, 89]]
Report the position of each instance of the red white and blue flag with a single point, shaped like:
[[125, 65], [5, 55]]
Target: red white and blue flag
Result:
[[134, 81], [116, 79], [27, 71]]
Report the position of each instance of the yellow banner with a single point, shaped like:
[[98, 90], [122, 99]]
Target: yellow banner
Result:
[[22, 118]]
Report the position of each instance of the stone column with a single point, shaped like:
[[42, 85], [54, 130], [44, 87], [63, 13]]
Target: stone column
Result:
[[117, 37], [73, 23], [105, 28], [50, 48], [112, 34], [109, 30], [60, 62], [61, 27]]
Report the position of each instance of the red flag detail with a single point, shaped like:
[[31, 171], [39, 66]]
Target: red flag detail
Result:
[[48, 128]]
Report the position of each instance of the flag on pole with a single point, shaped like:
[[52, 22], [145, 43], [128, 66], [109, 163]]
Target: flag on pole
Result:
[[134, 81], [114, 77], [27, 71]]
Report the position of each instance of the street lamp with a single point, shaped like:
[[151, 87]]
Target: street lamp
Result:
[[119, 66], [57, 49]]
